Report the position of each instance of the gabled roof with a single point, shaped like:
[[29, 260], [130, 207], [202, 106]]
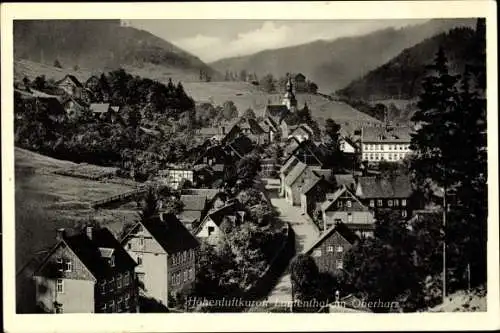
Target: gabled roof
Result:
[[194, 201], [99, 107], [89, 252], [210, 193], [255, 128], [330, 201], [231, 209], [312, 149], [382, 187], [339, 227], [242, 145], [386, 134], [297, 170], [72, 78], [312, 184], [292, 144], [170, 233], [289, 164]]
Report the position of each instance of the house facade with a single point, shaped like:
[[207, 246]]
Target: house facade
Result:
[[174, 175], [87, 272], [390, 144], [210, 228], [343, 206], [165, 253], [329, 250], [71, 85], [392, 193]]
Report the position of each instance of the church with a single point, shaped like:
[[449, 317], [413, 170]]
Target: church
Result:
[[283, 119]]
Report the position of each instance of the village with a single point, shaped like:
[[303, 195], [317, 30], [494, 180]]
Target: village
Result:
[[311, 191]]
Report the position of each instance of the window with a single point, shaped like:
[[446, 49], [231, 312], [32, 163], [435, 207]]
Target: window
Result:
[[349, 203], [60, 286], [118, 281], [329, 249], [390, 147], [404, 213], [372, 203], [339, 264], [349, 218], [191, 273], [340, 248], [184, 256], [139, 260], [210, 230], [60, 267], [68, 266], [111, 284], [103, 287], [185, 276], [126, 301], [317, 253], [339, 203], [112, 306], [103, 308], [389, 203], [379, 203], [396, 202], [119, 305], [125, 279], [403, 202]]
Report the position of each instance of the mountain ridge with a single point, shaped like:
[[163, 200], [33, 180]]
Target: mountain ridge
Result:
[[333, 64], [74, 43]]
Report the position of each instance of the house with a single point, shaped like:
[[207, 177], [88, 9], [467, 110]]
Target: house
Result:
[[71, 86], [329, 250], [308, 152], [284, 171], [314, 193], [74, 107], [301, 133], [165, 252], [216, 154], [210, 228], [239, 147], [210, 132], [391, 144], [391, 192], [99, 109], [93, 82], [194, 208], [257, 134], [343, 206], [175, 174], [347, 146], [269, 167], [86, 272], [291, 145], [297, 180]]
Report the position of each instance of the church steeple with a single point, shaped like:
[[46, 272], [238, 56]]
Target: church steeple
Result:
[[289, 98]]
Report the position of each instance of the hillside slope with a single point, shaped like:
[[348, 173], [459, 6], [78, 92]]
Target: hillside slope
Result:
[[334, 64], [100, 45], [401, 77]]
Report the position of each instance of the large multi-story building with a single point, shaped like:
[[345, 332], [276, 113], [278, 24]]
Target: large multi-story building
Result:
[[86, 272], [391, 144], [165, 252]]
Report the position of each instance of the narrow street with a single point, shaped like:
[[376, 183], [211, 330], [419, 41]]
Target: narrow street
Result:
[[305, 235]]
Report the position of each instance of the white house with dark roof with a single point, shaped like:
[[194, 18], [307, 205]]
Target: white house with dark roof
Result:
[[389, 144], [165, 252]]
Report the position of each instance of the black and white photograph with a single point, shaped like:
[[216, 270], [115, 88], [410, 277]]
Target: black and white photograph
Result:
[[237, 166]]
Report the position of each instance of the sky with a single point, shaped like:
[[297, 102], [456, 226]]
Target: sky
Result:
[[212, 40]]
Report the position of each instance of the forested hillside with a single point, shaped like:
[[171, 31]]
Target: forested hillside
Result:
[[99, 45], [401, 77]]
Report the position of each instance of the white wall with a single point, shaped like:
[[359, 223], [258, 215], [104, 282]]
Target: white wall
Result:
[[77, 295]]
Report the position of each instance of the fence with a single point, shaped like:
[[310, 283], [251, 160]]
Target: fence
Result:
[[119, 197]]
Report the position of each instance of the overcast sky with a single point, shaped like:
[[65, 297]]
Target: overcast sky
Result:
[[211, 40]]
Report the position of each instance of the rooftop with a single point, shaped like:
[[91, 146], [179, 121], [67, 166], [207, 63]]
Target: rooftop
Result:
[[384, 187], [386, 134]]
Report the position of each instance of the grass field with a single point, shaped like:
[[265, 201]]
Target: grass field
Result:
[[46, 201]]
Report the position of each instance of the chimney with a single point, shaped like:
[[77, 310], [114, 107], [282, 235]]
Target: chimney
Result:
[[88, 231], [60, 234]]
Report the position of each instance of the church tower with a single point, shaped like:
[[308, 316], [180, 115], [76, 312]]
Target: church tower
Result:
[[289, 98]]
